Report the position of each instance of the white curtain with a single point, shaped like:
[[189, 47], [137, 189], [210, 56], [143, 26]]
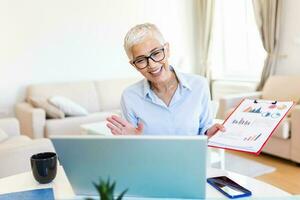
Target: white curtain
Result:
[[267, 14], [205, 13]]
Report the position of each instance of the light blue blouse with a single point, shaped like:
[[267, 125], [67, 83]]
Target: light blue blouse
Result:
[[188, 113]]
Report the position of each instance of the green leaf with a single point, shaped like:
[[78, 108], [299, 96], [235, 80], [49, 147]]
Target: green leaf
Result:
[[122, 194], [112, 187], [108, 182], [106, 190], [97, 187]]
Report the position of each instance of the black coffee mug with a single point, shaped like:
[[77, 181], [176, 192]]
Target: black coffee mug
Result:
[[44, 166]]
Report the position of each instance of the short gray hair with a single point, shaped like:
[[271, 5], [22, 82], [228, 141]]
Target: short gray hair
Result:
[[138, 34]]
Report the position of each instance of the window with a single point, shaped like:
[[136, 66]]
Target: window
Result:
[[237, 51]]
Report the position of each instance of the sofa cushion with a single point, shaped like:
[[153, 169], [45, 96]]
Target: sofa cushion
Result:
[[3, 135], [71, 125], [283, 129], [15, 141], [282, 88], [67, 106], [83, 93], [110, 92], [51, 111]]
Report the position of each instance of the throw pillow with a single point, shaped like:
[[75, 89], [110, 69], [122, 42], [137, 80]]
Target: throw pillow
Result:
[[69, 107], [3, 135], [51, 111]]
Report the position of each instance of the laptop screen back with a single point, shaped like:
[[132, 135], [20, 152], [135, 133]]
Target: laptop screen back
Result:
[[149, 166]]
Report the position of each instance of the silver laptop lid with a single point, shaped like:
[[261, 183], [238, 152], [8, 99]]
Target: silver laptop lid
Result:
[[149, 166]]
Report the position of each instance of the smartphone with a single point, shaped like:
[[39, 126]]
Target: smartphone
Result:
[[228, 187]]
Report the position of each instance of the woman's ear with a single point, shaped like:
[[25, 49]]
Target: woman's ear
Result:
[[130, 62]]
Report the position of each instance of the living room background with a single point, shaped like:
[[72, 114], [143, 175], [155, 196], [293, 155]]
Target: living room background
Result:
[[61, 40]]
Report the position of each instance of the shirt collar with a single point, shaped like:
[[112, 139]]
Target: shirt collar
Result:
[[183, 82], [147, 89], [182, 79]]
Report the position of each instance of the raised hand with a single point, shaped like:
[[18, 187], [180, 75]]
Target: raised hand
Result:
[[214, 129], [119, 126]]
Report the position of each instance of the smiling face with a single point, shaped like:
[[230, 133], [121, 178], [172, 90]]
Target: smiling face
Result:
[[155, 72]]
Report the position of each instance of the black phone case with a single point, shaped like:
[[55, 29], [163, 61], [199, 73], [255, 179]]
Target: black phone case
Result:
[[212, 181]]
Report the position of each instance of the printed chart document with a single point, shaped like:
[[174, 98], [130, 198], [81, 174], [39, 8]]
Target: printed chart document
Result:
[[250, 125]]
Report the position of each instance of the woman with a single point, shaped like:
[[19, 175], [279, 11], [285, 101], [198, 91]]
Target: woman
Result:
[[166, 102]]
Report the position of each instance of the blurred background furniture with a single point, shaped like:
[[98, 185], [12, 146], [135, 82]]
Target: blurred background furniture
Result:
[[285, 141], [16, 149], [97, 128], [99, 98], [216, 155]]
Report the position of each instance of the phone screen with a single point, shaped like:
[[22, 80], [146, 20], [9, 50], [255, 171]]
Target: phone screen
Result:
[[228, 187]]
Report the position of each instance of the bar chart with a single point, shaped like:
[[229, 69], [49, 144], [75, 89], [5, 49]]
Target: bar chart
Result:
[[252, 138]]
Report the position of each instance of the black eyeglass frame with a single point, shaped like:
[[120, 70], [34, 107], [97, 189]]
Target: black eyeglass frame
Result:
[[150, 56]]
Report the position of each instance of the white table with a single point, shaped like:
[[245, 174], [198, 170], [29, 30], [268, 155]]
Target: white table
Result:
[[25, 181], [62, 188], [97, 128]]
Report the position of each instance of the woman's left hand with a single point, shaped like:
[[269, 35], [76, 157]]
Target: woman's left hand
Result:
[[214, 129]]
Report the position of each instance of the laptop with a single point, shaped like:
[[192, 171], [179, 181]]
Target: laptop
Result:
[[149, 166]]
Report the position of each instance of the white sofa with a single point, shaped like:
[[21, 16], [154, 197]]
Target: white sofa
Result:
[[16, 150], [99, 98], [285, 141]]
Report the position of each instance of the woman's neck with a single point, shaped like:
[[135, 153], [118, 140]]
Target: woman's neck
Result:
[[163, 87]]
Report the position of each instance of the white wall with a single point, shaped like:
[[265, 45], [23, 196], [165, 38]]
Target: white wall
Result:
[[289, 46], [67, 40]]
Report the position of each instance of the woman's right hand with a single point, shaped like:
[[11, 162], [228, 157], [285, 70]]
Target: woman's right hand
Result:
[[119, 126]]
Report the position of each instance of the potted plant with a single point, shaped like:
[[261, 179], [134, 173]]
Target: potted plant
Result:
[[106, 189]]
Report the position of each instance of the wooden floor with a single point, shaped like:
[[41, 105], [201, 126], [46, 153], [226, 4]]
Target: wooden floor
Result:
[[286, 176]]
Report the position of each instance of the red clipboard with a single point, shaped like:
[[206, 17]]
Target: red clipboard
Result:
[[266, 136]]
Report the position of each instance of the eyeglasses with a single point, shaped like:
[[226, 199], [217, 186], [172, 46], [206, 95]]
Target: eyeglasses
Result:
[[143, 62]]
